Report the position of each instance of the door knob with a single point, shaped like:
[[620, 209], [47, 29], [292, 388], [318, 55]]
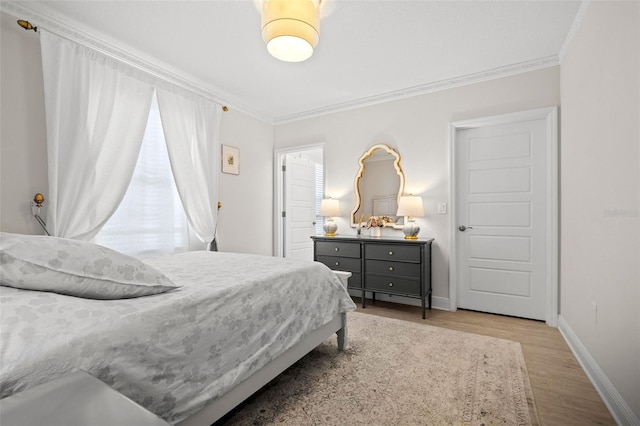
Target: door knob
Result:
[[464, 228]]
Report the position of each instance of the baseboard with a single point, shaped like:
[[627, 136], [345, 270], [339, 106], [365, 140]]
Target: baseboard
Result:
[[441, 303], [619, 409]]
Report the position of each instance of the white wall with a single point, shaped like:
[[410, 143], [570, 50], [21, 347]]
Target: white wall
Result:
[[600, 183], [418, 127], [246, 215], [600, 187], [246, 218], [23, 148]]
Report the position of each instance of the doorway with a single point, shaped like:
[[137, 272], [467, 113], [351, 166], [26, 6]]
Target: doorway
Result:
[[504, 228], [299, 191]]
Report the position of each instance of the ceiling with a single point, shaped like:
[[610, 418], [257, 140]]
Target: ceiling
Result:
[[369, 51]]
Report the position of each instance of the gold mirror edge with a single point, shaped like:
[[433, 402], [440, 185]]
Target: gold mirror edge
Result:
[[397, 158]]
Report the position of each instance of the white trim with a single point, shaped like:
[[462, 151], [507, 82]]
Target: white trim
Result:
[[278, 205], [42, 17], [436, 86], [453, 265], [620, 410], [440, 303], [577, 21], [550, 114], [552, 213]]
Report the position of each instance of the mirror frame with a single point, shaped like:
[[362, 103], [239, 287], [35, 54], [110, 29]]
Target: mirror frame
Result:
[[356, 182]]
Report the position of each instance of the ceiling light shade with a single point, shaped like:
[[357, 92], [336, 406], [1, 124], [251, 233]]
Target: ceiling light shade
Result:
[[291, 28]]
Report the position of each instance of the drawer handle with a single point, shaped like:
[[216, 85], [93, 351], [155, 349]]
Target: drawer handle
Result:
[[390, 284], [337, 263], [391, 268], [390, 253], [337, 249]]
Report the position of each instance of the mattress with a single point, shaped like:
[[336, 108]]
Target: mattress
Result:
[[175, 352]]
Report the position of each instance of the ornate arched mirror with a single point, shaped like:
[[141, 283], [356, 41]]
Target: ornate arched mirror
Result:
[[378, 184]]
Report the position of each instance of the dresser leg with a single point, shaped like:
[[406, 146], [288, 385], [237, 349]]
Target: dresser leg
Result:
[[364, 294]]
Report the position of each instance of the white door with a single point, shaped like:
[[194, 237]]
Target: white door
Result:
[[502, 218], [299, 188]]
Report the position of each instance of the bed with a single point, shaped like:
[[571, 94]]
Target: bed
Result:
[[226, 326]]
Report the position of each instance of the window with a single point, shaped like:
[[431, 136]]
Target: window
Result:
[[150, 220]]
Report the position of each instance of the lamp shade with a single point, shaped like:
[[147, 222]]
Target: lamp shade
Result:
[[410, 205], [290, 28], [329, 207]]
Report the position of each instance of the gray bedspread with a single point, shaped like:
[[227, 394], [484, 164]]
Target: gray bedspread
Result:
[[173, 352]]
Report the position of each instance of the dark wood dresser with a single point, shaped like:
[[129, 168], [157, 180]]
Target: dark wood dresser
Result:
[[389, 265]]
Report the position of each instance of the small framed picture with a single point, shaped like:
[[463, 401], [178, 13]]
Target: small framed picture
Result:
[[230, 160]]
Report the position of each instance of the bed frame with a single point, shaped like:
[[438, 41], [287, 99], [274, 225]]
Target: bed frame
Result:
[[227, 402], [243, 390]]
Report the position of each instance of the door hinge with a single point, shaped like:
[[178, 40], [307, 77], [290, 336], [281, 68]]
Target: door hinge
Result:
[[284, 168], [284, 214]]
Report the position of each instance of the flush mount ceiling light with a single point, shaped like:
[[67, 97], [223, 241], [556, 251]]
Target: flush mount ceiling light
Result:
[[291, 28]]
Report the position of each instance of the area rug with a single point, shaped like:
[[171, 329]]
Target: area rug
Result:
[[398, 373]]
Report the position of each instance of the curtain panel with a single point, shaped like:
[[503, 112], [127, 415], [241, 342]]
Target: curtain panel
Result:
[[96, 113], [190, 125]]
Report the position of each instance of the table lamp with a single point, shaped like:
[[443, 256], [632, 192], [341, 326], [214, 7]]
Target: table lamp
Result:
[[329, 208], [410, 206]]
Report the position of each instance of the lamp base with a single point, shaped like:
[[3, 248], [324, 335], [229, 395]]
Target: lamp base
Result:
[[330, 228], [410, 230]]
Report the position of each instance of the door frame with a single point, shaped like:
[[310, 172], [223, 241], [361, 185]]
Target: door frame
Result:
[[550, 115], [278, 191]]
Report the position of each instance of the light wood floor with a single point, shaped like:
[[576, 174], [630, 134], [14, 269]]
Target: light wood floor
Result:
[[563, 393]]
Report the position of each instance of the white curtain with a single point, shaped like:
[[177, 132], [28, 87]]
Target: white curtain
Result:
[[96, 114], [150, 219], [190, 125]]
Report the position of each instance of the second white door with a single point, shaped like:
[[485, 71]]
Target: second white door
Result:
[[501, 220], [299, 207]]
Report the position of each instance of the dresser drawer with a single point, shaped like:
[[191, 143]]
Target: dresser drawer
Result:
[[348, 264], [392, 285], [393, 269], [401, 252], [342, 249]]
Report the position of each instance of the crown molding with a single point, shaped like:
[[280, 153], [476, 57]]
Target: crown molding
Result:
[[47, 19], [577, 21], [464, 80], [44, 18]]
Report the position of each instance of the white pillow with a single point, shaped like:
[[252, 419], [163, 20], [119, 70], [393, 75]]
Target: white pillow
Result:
[[75, 268]]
